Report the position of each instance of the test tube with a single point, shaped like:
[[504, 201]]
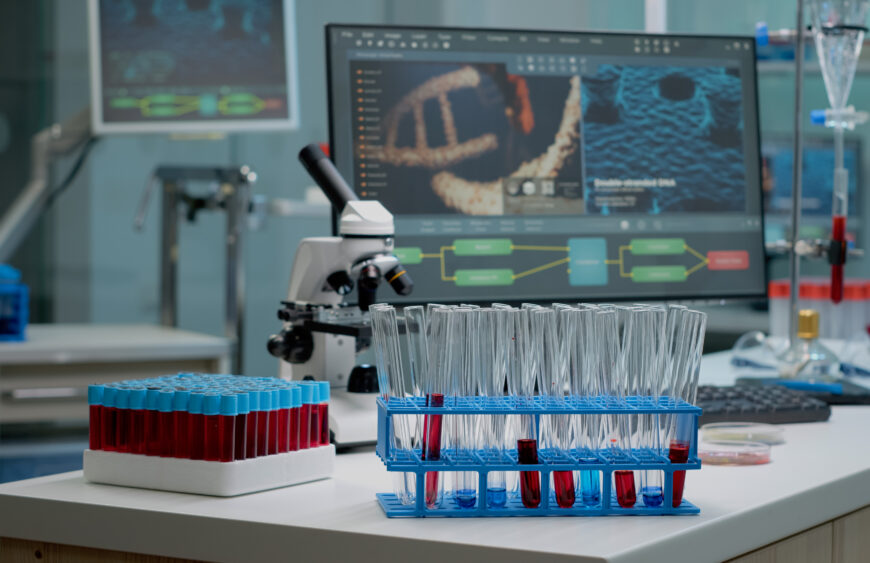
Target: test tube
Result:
[[263, 415], [211, 410], [241, 430], [109, 418], [274, 420], [180, 424], [152, 422], [285, 399], [314, 423], [295, 416], [167, 433], [527, 435], [122, 427], [229, 410], [252, 424], [137, 421], [324, 412], [492, 366], [95, 415], [433, 385], [197, 425], [466, 374]]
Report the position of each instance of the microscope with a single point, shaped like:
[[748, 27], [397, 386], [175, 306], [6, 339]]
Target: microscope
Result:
[[321, 334]]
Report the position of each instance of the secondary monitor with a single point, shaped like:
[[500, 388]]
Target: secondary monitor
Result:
[[187, 66], [541, 166]]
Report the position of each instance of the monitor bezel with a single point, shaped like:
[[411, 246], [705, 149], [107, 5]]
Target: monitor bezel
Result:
[[100, 127], [670, 298]]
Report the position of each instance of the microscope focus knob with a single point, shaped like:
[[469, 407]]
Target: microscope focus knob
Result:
[[295, 345], [340, 282], [363, 379]]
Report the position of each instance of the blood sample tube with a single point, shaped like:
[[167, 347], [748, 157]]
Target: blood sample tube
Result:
[[227, 427], [165, 417], [263, 421], [241, 426], [108, 419], [530, 481], [314, 424], [274, 419], [251, 430], [211, 409], [197, 425], [305, 416], [137, 421], [295, 414], [285, 399], [95, 415], [180, 424], [122, 423], [152, 422], [324, 412]]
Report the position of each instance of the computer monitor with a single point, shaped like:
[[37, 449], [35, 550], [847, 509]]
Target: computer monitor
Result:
[[817, 184], [548, 166], [187, 66]]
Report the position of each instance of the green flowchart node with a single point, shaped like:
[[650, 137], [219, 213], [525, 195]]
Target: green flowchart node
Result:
[[482, 247], [653, 274], [657, 246], [409, 254], [488, 277]]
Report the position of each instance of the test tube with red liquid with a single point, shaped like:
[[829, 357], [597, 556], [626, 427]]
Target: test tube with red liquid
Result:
[[122, 422], [211, 409], [196, 422], [95, 407], [305, 417], [263, 415], [432, 447], [108, 419], [530, 481], [229, 409], [241, 426], [324, 412], [136, 428], [165, 418], [285, 399], [314, 415], [295, 416], [152, 422], [274, 421], [181, 424], [251, 424]]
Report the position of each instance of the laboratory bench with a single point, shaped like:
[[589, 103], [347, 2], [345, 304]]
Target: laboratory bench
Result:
[[45, 378], [809, 504]]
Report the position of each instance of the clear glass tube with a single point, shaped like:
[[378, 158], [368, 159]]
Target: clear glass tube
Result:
[[466, 375], [494, 345], [434, 386], [585, 384]]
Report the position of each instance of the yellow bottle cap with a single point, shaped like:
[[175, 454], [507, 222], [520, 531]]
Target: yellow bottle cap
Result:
[[808, 323]]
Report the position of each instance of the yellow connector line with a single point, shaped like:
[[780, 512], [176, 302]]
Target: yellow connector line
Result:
[[542, 268], [528, 247], [444, 276]]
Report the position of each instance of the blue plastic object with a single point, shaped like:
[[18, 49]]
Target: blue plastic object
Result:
[[229, 405], [483, 462], [762, 35], [14, 305], [818, 117]]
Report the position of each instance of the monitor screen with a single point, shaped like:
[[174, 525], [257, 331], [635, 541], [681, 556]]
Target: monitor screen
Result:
[[192, 65], [539, 166]]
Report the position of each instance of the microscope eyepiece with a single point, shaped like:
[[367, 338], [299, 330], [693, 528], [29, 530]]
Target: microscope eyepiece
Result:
[[399, 280]]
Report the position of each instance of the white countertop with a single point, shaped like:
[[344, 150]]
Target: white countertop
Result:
[[816, 476], [76, 343]]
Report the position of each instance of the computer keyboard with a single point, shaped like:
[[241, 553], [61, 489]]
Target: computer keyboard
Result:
[[770, 404]]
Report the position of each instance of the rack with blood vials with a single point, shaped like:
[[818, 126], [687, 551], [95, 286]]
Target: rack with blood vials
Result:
[[673, 462], [210, 434]]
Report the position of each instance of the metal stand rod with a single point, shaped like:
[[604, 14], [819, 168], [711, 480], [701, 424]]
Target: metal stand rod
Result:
[[169, 255], [234, 327], [797, 169]]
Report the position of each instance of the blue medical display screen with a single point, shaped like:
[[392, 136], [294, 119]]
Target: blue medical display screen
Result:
[[539, 166], [201, 61]]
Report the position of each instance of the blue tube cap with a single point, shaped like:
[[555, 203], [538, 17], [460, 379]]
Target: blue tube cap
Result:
[[276, 398], [244, 402], [818, 117], [296, 392], [137, 399], [109, 394], [195, 403], [265, 400], [308, 393], [165, 400], [285, 398], [151, 396], [95, 394], [212, 404], [229, 404], [323, 387], [179, 402], [122, 399]]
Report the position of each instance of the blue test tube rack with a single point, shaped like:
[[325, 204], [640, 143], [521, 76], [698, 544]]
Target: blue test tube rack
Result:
[[483, 462]]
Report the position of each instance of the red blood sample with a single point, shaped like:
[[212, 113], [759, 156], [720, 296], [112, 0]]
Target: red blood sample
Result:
[[304, 426], [274, 435], [95, 416], [295, 414], [563, 483], [122, 431], [227, 438], [152, 432], [530, 481], [251, 438], [212, 437], [196, 423], [283, 430], [324, 424], [181, 437], [263, 433], [838, 233], [431, 450], [167, 434], [626, 495], [678, 453], [241, 437], [314, 426], [137, 431], [108, 419]]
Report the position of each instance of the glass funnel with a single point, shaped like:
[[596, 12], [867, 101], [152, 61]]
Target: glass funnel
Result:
[[838, 30]]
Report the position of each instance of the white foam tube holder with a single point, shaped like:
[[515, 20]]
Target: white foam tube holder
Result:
[[215, 478]]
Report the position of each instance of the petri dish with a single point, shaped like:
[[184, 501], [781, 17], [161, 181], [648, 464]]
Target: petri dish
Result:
[[743, 431], [733, 452]]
